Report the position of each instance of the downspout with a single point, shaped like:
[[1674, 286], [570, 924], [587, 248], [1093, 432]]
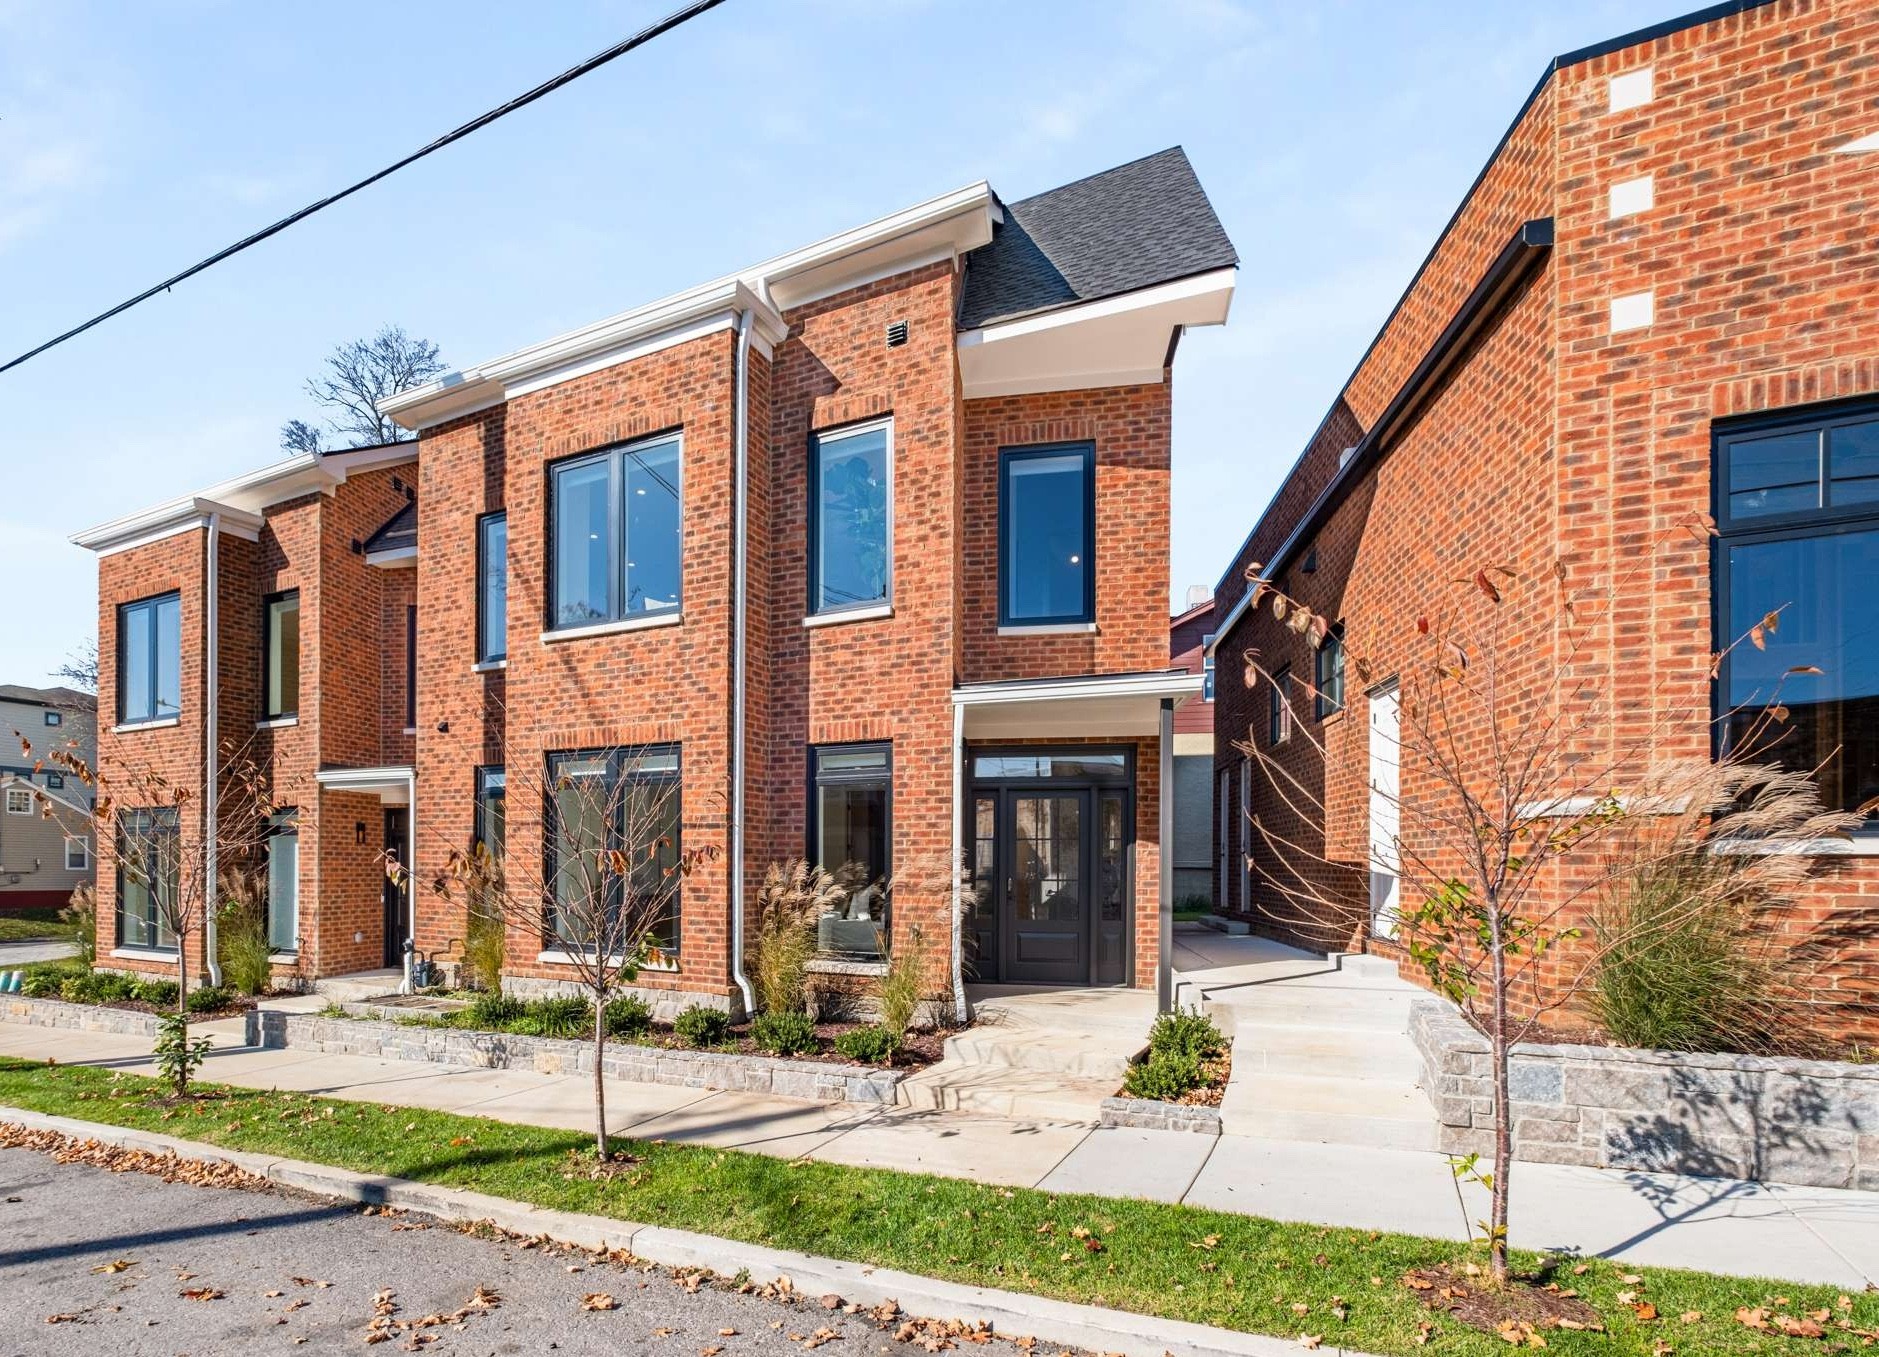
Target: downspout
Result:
[[211, 779], [1164, 959], [408, 951], [958, 861], [740, 599]]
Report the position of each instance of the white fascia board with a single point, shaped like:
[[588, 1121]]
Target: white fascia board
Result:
[[1176, 685], [397, 780], [351, 461], [239, 501], [393, 557], [1121, 341], [960, 220], [1859, 145], [169, 519]]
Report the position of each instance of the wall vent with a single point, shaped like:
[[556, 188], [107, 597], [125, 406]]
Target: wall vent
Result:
[[896, 333]]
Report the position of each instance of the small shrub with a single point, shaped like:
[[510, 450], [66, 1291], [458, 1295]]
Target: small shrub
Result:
[[628, 1015], [178, 1056], [241, 941], [81, 916], [493, 1010], [1163, 1078], [156, 993], [784, 1033], [900, 987], [1188, 1035], [41, 985], [1194, 905], [335, 1009], [793, 895], [559, 1016], [700, 1026], [209, 998], [484, 941], [96, 987], [873, 1045]]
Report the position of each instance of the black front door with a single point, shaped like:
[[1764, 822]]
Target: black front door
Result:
[[397, 821], [1046, 887]]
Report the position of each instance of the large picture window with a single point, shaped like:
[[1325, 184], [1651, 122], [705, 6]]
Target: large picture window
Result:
[[280, 681], [616, 534], [283, 882], [147, 872], [603, 803], [150, 659], [1046, 535], [851, 551], [851, 837], [1797, 506], [492, 588]]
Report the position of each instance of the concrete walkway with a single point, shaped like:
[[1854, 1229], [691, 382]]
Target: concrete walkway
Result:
[[1795, 1234]]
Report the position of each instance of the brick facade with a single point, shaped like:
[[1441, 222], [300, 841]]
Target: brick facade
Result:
[[1560, 439]]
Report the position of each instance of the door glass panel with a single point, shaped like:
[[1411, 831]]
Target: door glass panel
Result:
[[1111, 859], [1047, 835], [984, 856]]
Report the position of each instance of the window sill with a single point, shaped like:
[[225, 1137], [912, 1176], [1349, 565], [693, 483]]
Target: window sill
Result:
[[410, 730], [558, 957], [143, 954], [1048, 629], [489, 666], [671, 619], [829, 965], [1859, 846], [161, 723], [277, 722], [283, 958], [865, 613]]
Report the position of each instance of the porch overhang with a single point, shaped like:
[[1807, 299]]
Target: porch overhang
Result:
[[1094, 706], [391, 785]]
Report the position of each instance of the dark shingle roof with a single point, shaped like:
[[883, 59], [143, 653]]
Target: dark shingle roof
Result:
[[47, 697], [1136, 226], [400, 531]]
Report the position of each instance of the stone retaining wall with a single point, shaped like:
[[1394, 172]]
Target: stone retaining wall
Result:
[[1154, 1115], [643, 1064], [127, 1022], [1812, 1122]]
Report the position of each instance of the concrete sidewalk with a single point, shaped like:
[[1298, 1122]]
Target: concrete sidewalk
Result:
[[1749, 1229]]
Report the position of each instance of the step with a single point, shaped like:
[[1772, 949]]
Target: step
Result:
[[353, 989], [1006, 1091], [1332, 1128], [1325, 1007], [1263, 1048], [1087, 1055], [1317, 1093]]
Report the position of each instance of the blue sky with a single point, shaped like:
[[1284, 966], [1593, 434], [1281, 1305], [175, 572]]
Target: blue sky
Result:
[[1334, 140]]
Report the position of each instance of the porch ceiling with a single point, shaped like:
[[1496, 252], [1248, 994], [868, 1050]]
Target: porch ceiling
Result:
[[392, 785], [1103, 706]]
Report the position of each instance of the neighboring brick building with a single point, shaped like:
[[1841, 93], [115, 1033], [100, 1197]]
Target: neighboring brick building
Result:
[[864, 548], [1190, 642], [1667, 267]]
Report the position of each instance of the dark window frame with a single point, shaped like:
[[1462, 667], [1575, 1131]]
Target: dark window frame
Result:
[[1327, 672], [1824, 521], [54, 718], [855, 777], [614, 455], [491, 780], [160, 814], [411, 667], [617, 758], [1207, 666], [269, 658], [1279, 713], [1007, 457], [818, 440], [484, 654], [152, 604]]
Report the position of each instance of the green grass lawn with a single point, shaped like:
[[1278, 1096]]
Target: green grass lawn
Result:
[[32, 925], [1175, 1261]]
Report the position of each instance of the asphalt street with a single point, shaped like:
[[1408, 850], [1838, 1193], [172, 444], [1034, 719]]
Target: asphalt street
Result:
[[96, 1262]]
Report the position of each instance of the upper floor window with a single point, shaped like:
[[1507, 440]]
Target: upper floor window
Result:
[[851, 837], [1047, 535], [1207, 667], [1797, 504], [411, 668], [280, 685], [1328, 667], [150, 659], [615, 534], [55, 781], [851, 517], [605, 806], [19, 801], [54, 718], [492, 588], [1279, 707]]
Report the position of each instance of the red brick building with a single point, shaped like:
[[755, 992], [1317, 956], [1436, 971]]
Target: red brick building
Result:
[[1190, 647], [864, 549], [1656, 302]]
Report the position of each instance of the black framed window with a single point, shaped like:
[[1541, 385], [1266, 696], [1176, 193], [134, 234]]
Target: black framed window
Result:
[[492, 809], [55, 781], [411, 667], [150, 659], [283, 881], [54, 718], [1328, 673], [851, 836], [615, 534], [1047, 535], [147, 872], [1797, 508], [851, 534], [1207, 667], [280, 655], [492, 588], [608, 801], [1279, 707]]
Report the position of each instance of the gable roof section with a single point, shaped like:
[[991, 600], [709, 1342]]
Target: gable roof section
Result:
[[397, 532], [1136, 226], [48, 697]]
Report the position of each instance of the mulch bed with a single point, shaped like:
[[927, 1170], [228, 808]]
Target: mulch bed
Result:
[[1526, 1307], [235, 1009], [918, 1051]]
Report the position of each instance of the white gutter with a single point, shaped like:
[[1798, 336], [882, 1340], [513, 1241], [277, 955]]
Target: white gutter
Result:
[[958, 862], [211, 798], [740, 597]]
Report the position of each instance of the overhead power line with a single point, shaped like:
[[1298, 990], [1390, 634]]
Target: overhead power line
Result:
[[573, 73]]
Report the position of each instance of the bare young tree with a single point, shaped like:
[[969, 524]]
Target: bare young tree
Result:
[[358, 376], [605, 893], [1523, 798], [80, 668], [151, 828]]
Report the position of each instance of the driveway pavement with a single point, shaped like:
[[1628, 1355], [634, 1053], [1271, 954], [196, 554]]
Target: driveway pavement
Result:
[[113, 1259], [16, 954]]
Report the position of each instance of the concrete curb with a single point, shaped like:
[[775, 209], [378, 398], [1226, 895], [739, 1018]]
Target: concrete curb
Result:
[[1011, 1314]]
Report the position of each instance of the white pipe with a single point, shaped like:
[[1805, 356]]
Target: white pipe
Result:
[[408, 951], [211, 705], [1164, 962], [740, 598], [958, 861]]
